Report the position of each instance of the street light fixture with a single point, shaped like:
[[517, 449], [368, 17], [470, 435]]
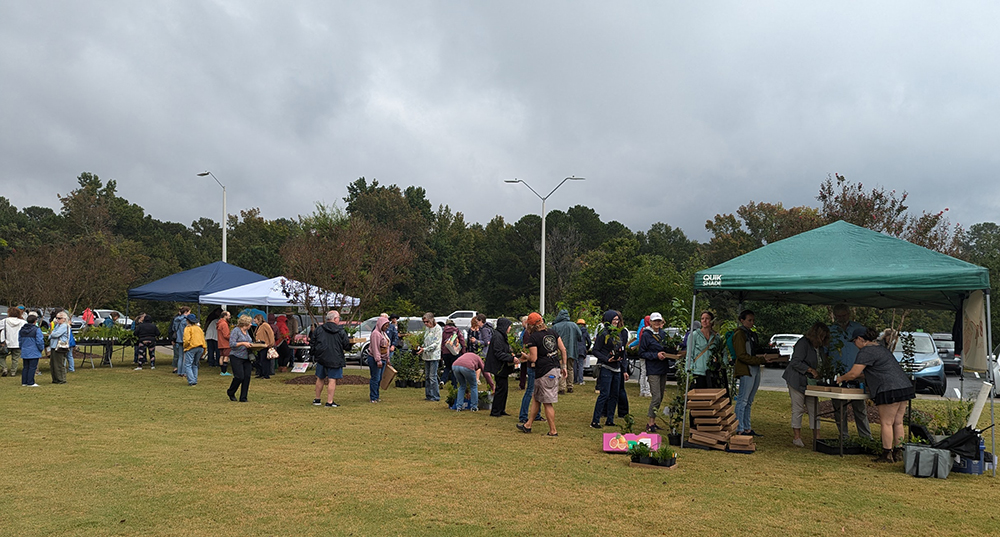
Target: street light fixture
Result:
[[541, 298], [225, 215]]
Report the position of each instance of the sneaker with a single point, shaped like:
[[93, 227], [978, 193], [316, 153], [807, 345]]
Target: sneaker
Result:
[[227, 374], [332, 405], [34, 386], [138, 369], [317, 402], [595, 425], [152, 367], [797, 442]]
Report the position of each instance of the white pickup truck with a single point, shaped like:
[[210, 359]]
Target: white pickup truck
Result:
[[463, 319]]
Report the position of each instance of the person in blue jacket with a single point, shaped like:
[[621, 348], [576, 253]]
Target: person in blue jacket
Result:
[[32, 344]]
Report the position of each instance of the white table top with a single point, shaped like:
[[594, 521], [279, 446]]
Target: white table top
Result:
[[837, 395]]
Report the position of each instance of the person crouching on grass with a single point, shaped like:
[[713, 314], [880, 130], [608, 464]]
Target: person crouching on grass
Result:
[[548, 354]]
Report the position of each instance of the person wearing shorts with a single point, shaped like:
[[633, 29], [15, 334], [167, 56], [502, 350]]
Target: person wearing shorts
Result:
[[327, 345], [547, 352]]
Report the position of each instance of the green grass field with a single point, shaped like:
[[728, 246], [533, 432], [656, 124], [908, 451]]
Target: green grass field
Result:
[[122, 452]]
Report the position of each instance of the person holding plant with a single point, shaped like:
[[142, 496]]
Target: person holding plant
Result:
[[889, 386], [699, 353], [378, 357], [31, 342], [501, 363], [59, 347], [467, 368], [430, 353], [548, 354], [652, 351], [609, 349], [224, 349], [803, 365], [747, 370]]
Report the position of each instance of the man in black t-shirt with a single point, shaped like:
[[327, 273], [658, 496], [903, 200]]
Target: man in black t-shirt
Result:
[[548, 353]]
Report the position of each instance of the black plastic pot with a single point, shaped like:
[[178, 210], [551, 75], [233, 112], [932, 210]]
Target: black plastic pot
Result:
[[646, 460], [400, 383], [670, 462], [411, 384], [674, 439]]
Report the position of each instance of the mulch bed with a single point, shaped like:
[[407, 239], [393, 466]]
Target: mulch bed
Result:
[[348, 380]]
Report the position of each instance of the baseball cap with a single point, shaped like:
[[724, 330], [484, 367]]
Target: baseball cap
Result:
[[655, 316], [581, 321], [534, 318], [192, 318]]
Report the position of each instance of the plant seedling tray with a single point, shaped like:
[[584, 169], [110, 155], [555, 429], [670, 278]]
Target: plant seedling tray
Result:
[[831, 446], [653, 466]]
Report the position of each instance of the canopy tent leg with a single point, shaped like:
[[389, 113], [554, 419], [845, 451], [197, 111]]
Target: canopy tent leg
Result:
[[991, 361], [687, 371]]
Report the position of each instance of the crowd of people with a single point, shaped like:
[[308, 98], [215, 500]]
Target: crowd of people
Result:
[[550, 364]]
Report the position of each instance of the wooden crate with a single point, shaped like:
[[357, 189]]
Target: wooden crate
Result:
[[710, 394]]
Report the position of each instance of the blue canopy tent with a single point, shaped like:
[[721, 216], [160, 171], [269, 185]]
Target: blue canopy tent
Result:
[[187, 286]]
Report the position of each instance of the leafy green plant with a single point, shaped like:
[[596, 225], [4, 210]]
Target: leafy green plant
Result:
[[414, 339], [516, 346], [954, 417], [664, 454], [638, 450], [627, 424]]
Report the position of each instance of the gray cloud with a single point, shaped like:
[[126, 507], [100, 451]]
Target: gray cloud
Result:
[[673, 111]]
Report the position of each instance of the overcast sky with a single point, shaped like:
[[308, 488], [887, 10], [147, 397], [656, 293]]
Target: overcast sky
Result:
[[672, 111]]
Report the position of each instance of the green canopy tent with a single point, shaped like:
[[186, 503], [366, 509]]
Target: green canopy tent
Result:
[[846, 264]]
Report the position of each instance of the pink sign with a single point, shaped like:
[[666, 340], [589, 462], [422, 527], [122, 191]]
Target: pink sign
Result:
[[620, 443]]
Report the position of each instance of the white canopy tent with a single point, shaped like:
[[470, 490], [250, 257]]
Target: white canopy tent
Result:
[[272, 292]]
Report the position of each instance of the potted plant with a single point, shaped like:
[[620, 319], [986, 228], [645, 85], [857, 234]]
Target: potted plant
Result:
[[484, 400], [627, 424], [664, 456], [675, 418], [639, 453]]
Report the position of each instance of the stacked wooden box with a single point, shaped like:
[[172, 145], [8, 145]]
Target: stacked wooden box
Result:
[[741, 442], [714, 420]]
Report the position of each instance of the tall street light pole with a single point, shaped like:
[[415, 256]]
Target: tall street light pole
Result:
[[541, 293], [225, 215]]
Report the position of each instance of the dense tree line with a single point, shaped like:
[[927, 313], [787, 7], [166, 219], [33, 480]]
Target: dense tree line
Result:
[[99, 244]]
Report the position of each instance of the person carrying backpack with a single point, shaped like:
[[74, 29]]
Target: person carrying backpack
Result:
[[747, 370]]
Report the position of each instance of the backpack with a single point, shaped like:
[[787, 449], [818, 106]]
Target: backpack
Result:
[[452, 345], [729, 345]]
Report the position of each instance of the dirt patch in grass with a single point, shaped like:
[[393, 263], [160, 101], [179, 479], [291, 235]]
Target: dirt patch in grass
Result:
[[348, 380]]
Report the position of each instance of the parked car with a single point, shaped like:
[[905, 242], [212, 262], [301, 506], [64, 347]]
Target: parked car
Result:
[[784, 344], [929, 366], [946, 350]]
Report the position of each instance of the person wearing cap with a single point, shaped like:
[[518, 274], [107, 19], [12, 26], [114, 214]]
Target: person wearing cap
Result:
[[842, 350], [887, 384], [548, 354], [651, 350], [582, 346], [569, 333], [194, 346]]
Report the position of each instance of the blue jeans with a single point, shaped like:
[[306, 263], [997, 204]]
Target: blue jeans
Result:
[[744, 400], [191, 359], [529, 390], [609, 386], [466, 379], [179, 357], [28, 368], [578, 369], [431, 389], [69, 360], [376, 378]]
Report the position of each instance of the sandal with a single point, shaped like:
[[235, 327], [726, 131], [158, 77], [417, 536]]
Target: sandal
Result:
[[551, 434], [523, 429]]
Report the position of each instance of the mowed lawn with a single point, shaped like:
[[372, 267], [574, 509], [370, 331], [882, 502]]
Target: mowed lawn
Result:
[[122, 452]]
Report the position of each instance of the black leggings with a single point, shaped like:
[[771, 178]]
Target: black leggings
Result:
[[242, 369], [500, 395]]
